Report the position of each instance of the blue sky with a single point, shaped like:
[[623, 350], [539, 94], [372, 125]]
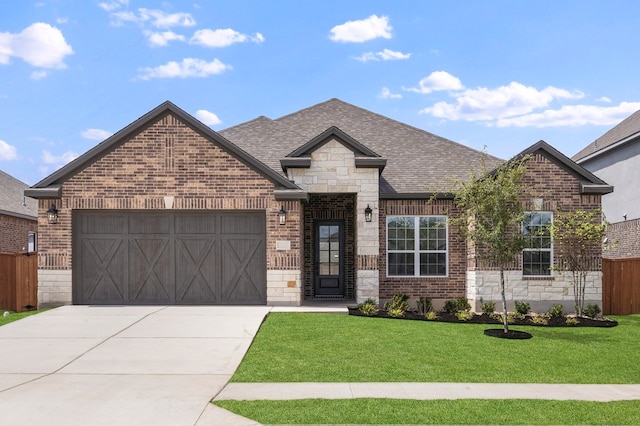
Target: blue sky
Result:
[[500, 74]]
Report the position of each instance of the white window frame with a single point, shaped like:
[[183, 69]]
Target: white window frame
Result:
[[416, 247], [550, 249], [35, 242]]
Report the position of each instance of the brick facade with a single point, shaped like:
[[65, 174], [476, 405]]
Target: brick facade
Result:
[[14, 233], [437, 288], [624, 239], [169, 165]]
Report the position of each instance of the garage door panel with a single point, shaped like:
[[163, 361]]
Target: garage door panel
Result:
[[196, 270], [104, 274], [169, 257], [150, 274]]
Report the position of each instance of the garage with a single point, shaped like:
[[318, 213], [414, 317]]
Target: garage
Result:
[[168, 257]]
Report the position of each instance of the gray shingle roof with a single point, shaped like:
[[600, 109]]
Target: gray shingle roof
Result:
[[417, 161], [12, 199], [627, 127]]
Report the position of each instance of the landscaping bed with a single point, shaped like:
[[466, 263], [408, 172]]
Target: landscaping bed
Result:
[[559, 321]]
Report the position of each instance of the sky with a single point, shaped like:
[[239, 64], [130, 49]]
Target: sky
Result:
[[494, 74]]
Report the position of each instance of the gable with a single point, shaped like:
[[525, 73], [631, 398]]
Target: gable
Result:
[[50, 186]]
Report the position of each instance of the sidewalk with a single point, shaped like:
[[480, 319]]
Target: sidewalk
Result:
[[424, 391]]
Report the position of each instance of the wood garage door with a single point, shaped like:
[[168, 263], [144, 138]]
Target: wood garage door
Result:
[[158, 257]]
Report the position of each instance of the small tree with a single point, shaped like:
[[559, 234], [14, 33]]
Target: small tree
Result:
[[578, 237], [491, 215]]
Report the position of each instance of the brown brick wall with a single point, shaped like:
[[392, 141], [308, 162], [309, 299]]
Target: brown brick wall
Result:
[[14, 232], [624, 239], [168, 158], [449, 287]]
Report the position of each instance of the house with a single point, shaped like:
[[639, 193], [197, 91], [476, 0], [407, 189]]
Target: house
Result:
[[18, 216], [332, 202], [615, 157]]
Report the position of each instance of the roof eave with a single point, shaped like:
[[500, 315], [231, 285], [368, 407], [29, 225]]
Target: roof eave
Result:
[[629, 139], [51, 191], [416, 196], [290, 194], [590, 188]]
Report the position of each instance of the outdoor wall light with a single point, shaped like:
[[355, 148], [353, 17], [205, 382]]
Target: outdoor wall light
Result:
[[282, 216], [368, 214], [52, 214]]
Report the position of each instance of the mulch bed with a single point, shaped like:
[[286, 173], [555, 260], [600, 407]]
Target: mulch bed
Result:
[[486, 319]]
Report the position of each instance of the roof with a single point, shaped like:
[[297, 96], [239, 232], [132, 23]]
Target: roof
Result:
[[626, 131], [12, 199], [589, 183], [50, 186], [418, 162]]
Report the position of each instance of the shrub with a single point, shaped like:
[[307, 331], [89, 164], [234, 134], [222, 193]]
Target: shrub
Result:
[[431, 315], [460, 304], [464, 315], [424, 305], [572, 321], [522, 308], [555, 311], [487, 307], [399, 302], [540, 319], [591, 311], [368, 307]]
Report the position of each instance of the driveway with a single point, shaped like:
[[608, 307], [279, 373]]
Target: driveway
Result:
[[127, 365]]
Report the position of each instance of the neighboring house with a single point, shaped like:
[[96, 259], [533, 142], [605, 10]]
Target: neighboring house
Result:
[[18, 217], [332, 202], [615, 158]]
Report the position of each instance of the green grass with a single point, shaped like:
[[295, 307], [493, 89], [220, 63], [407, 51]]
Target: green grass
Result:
[[16, 316], [312, 347], [461, 412]]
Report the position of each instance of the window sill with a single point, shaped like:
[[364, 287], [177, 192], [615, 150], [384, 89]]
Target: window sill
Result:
[[538, 278]]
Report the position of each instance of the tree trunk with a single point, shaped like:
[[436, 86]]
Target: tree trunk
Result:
[[504, 302]]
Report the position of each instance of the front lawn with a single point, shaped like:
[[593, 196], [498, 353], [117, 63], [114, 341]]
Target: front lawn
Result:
[[459, 412], [14, 316], [313, 347]]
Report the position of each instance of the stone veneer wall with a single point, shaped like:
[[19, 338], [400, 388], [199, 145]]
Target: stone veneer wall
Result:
[[333, 171], [559, 190], [439, 289], [168, 159], [14, 233]]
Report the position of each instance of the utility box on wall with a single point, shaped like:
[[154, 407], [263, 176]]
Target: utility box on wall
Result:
[[18, 281]]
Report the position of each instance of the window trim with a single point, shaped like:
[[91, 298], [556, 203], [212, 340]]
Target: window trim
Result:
[[416, 250], [550, 249]]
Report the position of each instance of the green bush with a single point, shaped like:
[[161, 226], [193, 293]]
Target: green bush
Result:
[[591, 311], [572, 321], [555, 311], [460, 304], [431, 315], [399, 302], [424, 305], [540, 319], [487, 307], [522, 308], [464, 315], [395, 312], [368, 307]]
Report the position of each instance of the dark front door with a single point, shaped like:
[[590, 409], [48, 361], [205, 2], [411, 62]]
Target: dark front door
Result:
[[329, 265]]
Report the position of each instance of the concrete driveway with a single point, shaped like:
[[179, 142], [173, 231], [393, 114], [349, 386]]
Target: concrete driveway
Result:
[[150, 365]]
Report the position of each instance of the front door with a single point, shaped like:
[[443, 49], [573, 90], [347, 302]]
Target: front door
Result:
[[329, 265]]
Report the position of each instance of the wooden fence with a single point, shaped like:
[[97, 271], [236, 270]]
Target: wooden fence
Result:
[[621, 286], [18, 281]]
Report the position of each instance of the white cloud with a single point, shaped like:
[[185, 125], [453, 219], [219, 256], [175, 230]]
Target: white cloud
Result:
[[40, 45], [7, 152], [38, 75], [189, 67], [95, 134], [360, 31], [485, 104], [62, 20], [155, 17], [604, 99], [58, 160], [573, 115], [207, 117], [436, 81], [223, 38], [386, 94], [385, 55], [113, 5], [163, 38]]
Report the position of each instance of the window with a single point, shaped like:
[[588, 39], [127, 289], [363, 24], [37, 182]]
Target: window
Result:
[[32, 242], [536, 258], [417, 246]]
